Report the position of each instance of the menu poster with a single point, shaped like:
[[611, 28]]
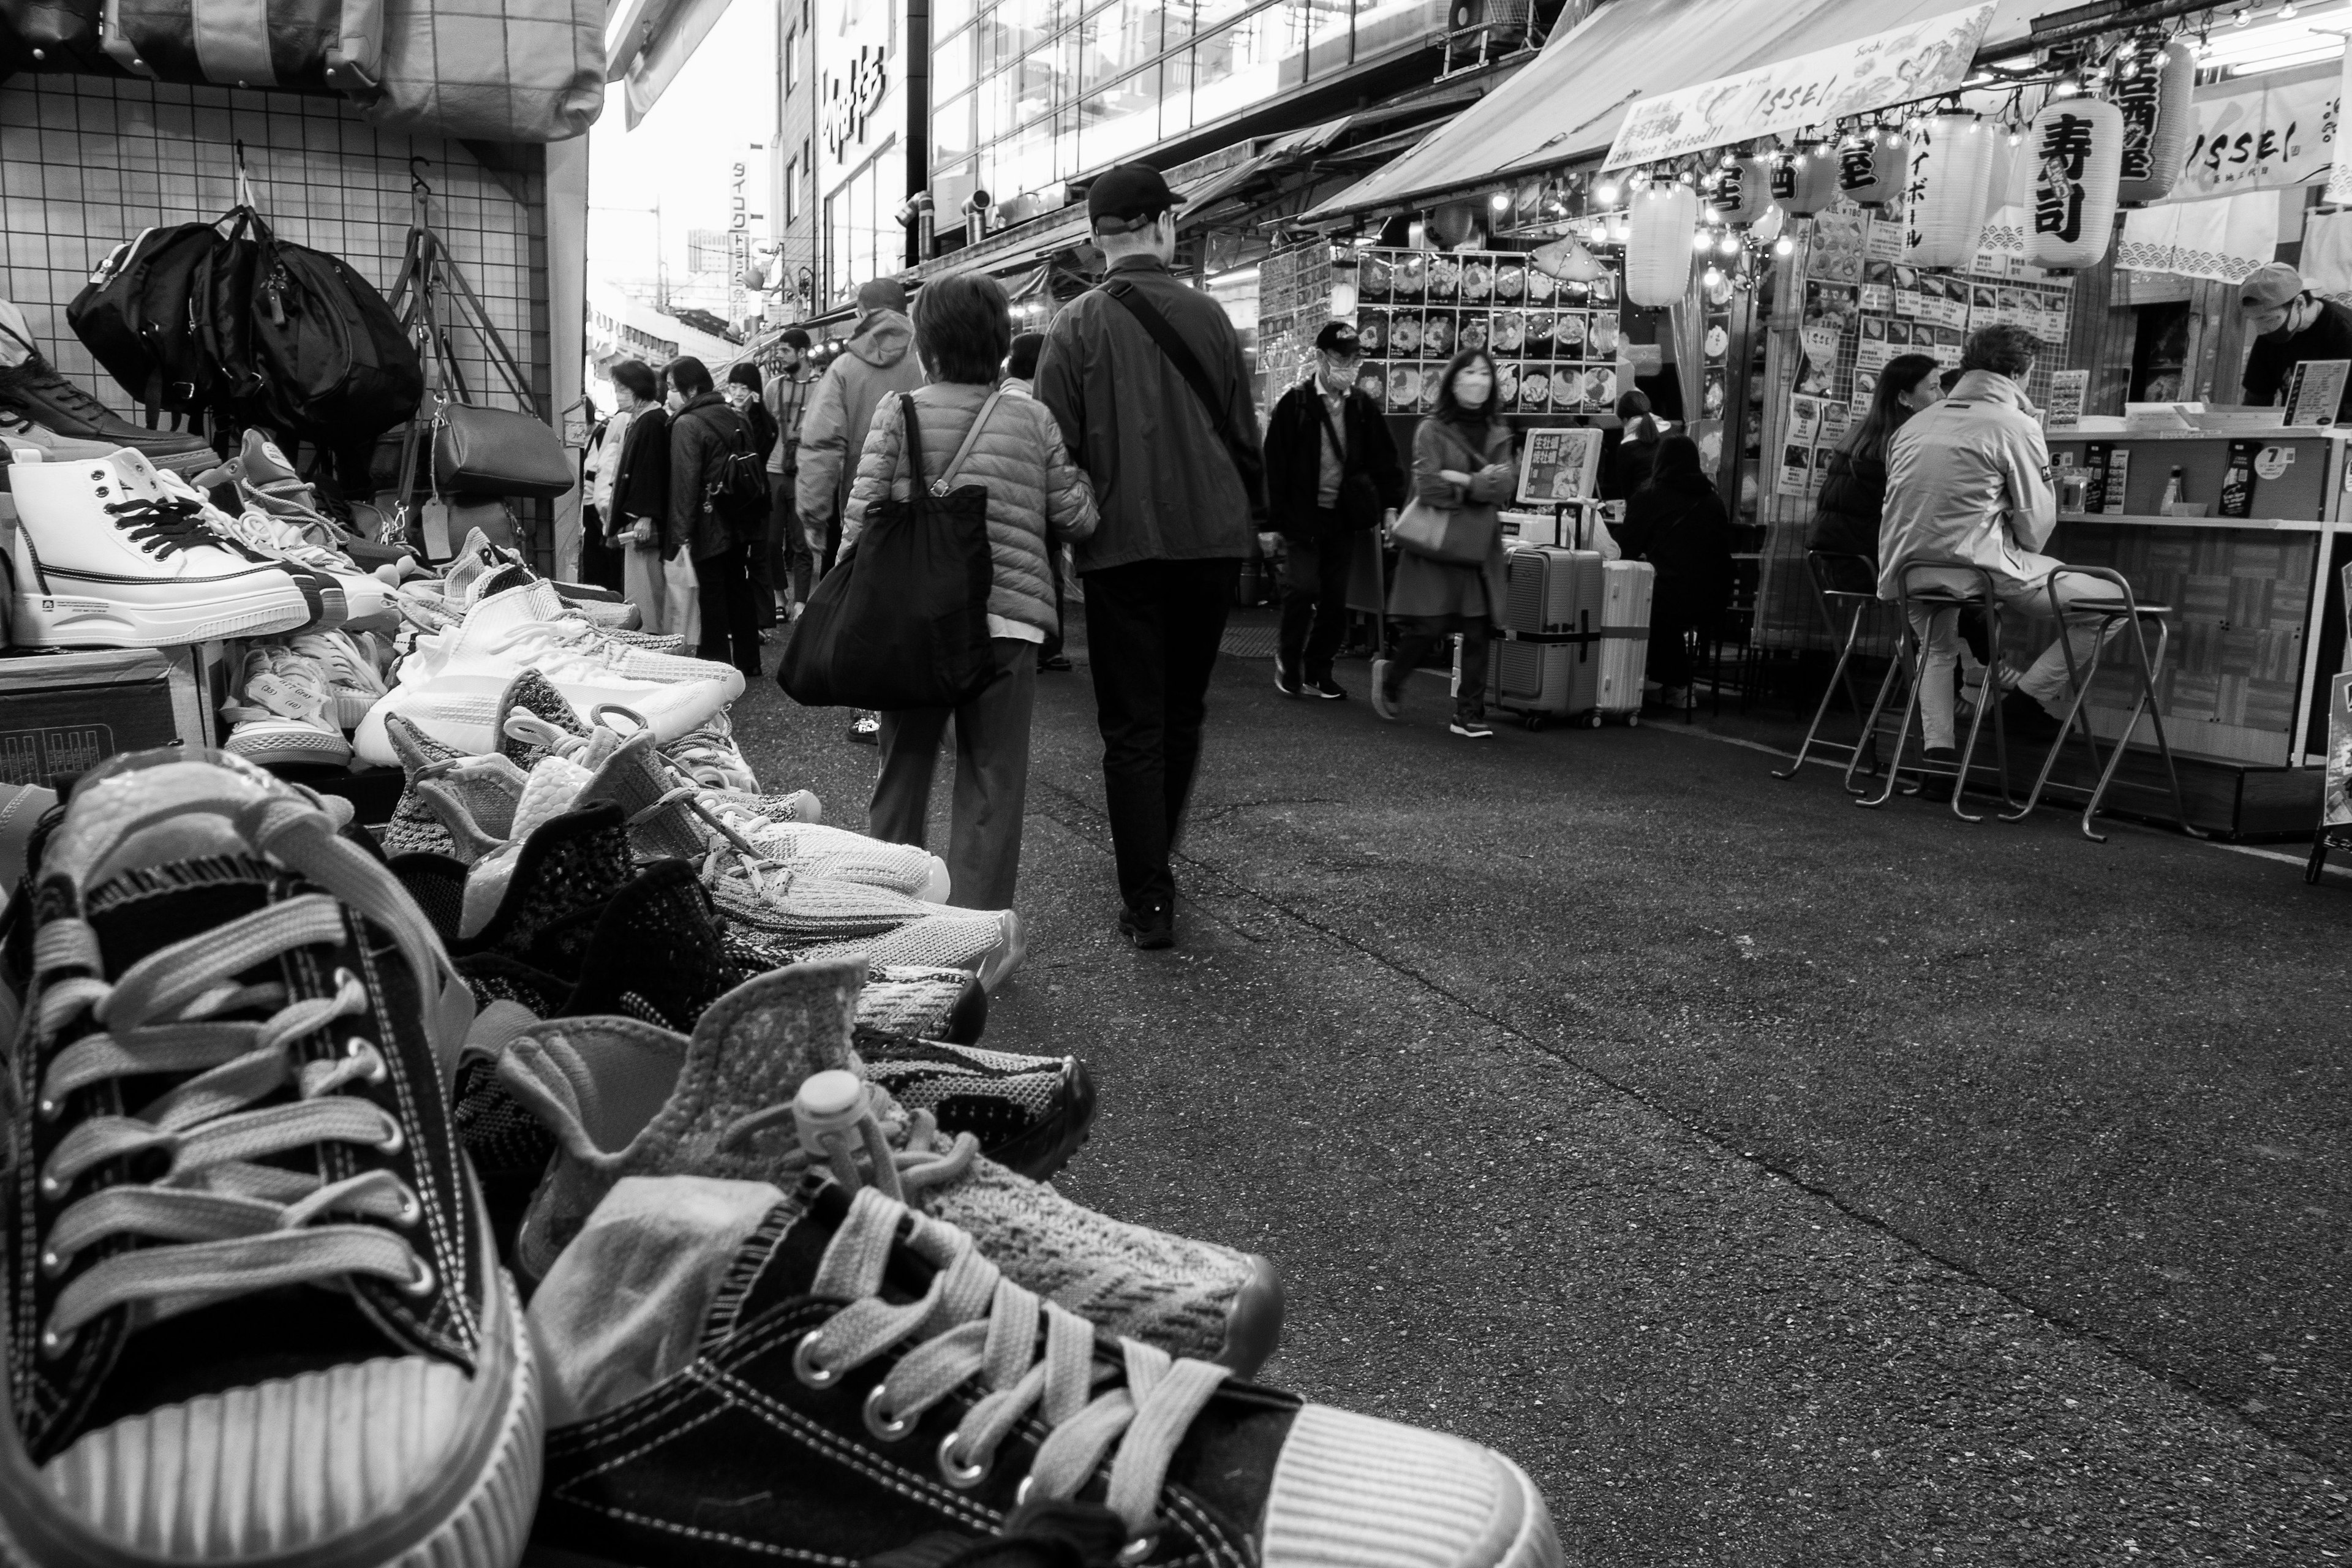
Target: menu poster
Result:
[[2314, 391], [1796, 476], [1833, 422], [1805, 419], [2067, 390], [1884, 240], [2335, 805], [1559, 464]]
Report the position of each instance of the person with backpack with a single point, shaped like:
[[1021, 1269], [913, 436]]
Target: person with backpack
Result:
[[1677, 523], [975, 433], [1147, 378], [744, 395], [718, 505]]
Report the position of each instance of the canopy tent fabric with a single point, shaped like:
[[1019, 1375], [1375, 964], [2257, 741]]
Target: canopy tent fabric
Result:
[[1569, 102], [649, 42]]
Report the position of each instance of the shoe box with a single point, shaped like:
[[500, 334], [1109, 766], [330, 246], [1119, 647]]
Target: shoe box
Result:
[[66, 712]]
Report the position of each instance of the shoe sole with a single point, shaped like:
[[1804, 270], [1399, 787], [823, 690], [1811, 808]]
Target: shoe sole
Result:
[[476, 1514], [1288, 690], [351, 708], [1001, 964], [1042, 1151], [1471, 734], [1254, 1321], [296, 743], [1536, 1543], [72, 620]]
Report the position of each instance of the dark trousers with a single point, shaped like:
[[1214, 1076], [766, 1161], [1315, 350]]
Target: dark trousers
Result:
[[1153, 630], [600, 563], [730, 622], [1677, 609], [762, 576], [1417, 638], [1315, 601], [1052, 646], [790, 562], [992, 782]]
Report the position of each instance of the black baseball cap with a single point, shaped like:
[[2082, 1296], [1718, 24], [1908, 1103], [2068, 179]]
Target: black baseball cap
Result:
[[1126, 197], [1338, 338]]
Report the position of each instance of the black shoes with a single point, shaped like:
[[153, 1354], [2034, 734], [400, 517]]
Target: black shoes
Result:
[[2029, 723], [1286, 683], [1150, 929], [35, 393], [1328, 689], [1055, 664]]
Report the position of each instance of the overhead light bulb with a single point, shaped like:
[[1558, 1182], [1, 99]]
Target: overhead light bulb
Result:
[[1500, 201], [1730, 245], [1702, 240], [2015, 136], [1784, 246], [1712, 277], [2063, 87], [1606, 194], [1620, 232]]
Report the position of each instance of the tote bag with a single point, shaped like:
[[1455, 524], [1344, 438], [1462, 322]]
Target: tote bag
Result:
[[1459, 537], [901, 621]]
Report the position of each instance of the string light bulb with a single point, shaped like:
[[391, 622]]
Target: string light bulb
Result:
[[1730, 245], [1784, 246], [1606, 193], [1702, 240], [1712, 277], [1500, 201]]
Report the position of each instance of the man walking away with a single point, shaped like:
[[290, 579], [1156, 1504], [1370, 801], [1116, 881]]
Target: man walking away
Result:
[[1331, 473], [708, 442], [878, 361], [786, 397], [1146, 379]]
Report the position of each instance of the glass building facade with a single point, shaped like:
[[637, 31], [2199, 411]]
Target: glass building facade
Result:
[[1027, 94]]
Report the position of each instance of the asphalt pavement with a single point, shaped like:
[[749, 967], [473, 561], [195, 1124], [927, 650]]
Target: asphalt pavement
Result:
[[1779, 1183]]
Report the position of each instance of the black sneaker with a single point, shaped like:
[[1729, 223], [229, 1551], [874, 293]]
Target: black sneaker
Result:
[[867, 729], [254, 1308], [1055, 664], [2028, 722], [852, 1378], [1285, 682], [1150, 929], [1030, 1113], [35, 392], [1328, 689], [1473, 729]]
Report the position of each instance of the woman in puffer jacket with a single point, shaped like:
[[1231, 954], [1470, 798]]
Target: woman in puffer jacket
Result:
[[1038, 500], [1853, 494]]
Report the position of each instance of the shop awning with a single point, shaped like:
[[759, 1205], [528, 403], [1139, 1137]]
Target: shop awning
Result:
[[649, 42], [1569, 102]]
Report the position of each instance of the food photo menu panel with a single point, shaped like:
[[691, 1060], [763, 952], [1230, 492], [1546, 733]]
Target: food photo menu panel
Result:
[[1554, 343]]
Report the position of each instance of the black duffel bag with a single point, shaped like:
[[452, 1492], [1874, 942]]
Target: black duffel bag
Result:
[[901, 621]]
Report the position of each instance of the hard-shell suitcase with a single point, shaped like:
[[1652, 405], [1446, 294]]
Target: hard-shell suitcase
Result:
[[1546, 664], [1624, 641]]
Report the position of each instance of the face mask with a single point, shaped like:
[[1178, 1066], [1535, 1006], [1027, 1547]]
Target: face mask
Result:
[[1472, 386]]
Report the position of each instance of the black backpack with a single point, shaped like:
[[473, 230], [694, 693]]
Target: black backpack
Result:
[[336, 367], [736, 488], [133, 317], [220, 307]]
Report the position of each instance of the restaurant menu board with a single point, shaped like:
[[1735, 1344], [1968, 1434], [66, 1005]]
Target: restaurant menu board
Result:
[[1559, 464], [1554, 344], [2314, 391], [2334, 807], [1294, 300]]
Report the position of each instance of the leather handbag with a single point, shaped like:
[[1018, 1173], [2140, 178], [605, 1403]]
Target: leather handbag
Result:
[[1459, 536], [901, 621], [497, 452]]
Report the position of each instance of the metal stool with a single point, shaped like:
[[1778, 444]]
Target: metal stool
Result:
[[2126, 609], [1911, 661], [1854, 603]]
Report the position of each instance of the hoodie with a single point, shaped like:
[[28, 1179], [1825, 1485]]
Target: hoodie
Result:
[[880, 359]]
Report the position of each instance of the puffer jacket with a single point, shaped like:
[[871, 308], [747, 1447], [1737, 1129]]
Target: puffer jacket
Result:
[[1853, 500], [1967, 483], [879, 360], [1038, 497]]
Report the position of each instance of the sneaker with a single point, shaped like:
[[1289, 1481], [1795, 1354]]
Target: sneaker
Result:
[[1473, 729], [1285, 682], [352, 674], [710, 757], [2029, 723], [42, 406], [266, 1320], [365, 596], [104, 558], [453, 693], [27, 441], [624, 1100], [1384, 698], [284, 713], [479, 559], [865, 730], [1674, 698], [1150, 928], [1055, 664], [899, 1396], [1030, 1114], [1328, 689]]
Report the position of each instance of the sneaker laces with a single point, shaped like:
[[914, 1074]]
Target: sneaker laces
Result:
[[160, 528], [36, 374], [557, 647], [971, 1321], [221, 1220], [904, 1154]]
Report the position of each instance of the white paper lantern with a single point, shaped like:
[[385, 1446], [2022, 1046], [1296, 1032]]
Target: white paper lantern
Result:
[[1658, 247], [2158, 117], [1870, 169], [1952, 160], [1742, 190], [1806, 181], [2078, 150]]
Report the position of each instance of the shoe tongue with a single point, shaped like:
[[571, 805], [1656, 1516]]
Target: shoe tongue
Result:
[[532, 692], [145, 908], [548, 792], [634, 778], [264, 463], [754, 1047], [657, 954], [151, 809], [500, 610]]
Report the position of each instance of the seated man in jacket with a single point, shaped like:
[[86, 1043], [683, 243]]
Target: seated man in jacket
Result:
[[1967, 484], [1331, 473]]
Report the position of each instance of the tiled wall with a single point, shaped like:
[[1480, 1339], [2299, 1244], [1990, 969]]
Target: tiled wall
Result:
[[86, 163]]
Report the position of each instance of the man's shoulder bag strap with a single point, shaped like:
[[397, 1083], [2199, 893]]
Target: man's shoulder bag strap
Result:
[[1179, 354]]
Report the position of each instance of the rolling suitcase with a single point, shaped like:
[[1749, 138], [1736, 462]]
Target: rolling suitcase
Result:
[[1545, 665], [1624, 641]]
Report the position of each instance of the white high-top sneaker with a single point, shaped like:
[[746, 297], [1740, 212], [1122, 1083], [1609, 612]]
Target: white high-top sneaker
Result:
[[105, 557], [450, 685]]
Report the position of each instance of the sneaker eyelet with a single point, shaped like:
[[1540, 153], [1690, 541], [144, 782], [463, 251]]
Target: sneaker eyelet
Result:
[[54, 1263], [1139, 1550], [53, 1343], [807, 1368], [1021, 1493], [395, 1144], [411, 1211], [376, 1071], [963, 1476], [49, 1109], [888, 1429], [50, 1187], [420, 1283]]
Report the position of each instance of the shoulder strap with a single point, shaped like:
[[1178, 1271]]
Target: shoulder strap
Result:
[[1179, 354], [970, 437], [1338, 442], [911, 440]]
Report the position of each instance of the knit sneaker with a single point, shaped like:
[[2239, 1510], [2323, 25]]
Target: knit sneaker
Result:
[[710, 757], [35, 394], [256, 1312], [352, 675], [624, 1099], [1030, 1114], [862, 1384], [284, 711]]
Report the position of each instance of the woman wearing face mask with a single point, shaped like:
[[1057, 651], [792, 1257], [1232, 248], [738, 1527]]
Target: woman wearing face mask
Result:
[[1462, 464]]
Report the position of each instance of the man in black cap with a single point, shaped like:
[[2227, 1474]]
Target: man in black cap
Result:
[[1146, 379], [1331, 473]]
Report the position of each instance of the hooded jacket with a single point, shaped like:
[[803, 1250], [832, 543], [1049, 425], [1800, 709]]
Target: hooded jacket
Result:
[[701, 434], [879, 360], [1967, 484]]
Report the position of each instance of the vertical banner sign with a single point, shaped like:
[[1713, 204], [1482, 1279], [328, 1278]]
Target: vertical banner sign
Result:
[[738, 241], [2077, 144], [2138, 95]]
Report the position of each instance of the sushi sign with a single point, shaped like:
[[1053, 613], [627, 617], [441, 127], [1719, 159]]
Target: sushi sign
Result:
[[1902, 65]]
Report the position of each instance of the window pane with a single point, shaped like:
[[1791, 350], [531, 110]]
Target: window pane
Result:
[[996, 106], [947, 15], [1328, 36], [1178, 21], [1116, 125], [952, 68], [1066, 146], [1209, 15], [951, 134], [1382, 23], [1118, 41]]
